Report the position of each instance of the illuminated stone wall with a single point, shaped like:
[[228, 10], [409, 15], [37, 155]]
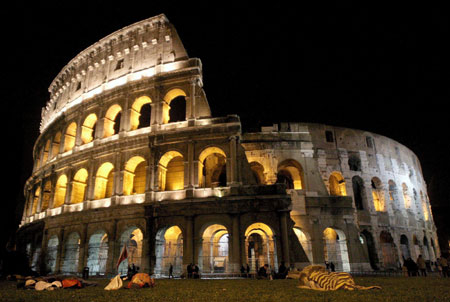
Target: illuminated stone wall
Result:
[[129, 154]]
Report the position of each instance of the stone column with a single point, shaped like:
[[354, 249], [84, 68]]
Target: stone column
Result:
[[188, 250], [232, 161], [235, 245], [284, 238], [113, 250], [59, 254], [84, 247]]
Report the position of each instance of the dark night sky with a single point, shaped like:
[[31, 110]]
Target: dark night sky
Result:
[[379, 68]]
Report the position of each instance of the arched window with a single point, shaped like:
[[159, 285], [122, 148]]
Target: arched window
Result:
[[56, 144], [290, 173], [52, 252], [60, 191], [260, 246], [37, 195], [132, 237], [69, 137], [88, 128], [71, 254], [378, 195], [258, 172], [104, 181], [406, 197], [79, 184], [335, 249], [112, 121], [174, 109], [134, 176], [212, 168], [46, 152], [171, 171], [140, 113], [393, 198], [358, 192], [97, 253], [337, 184], [213, 257], [354, 162], [46, 195]]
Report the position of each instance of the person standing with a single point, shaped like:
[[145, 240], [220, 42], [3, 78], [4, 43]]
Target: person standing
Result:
[[422, 266]]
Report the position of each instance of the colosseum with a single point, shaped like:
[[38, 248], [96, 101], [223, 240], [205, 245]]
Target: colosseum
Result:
[[129, 155]]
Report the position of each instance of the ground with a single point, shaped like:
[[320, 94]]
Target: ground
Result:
[[393, 289]]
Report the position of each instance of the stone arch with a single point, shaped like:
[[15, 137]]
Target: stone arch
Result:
[[212, 170], [214, 253], [46, 152], [305, 241], [112, 120], [416, 243], [359, 192], [46, 195], [425, 209], [378, 195], [171, 171], [97, 252], [406, 197], [393, 194], [174, 112], [132, 237], [70, 137], [140, 113], [60, 191], [290, 172], [104, 181], [169, 251], [79, 184], [134, 176], [404, 247], [258, 172], [56, 144], [88, 128], [388, 250], [52, 253], [260, 246], [335, 249], [337, 184], [71, 254], [368, 243], [36, 197]]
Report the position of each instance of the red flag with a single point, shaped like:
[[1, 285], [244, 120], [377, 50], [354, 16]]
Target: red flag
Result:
[[123, 255]]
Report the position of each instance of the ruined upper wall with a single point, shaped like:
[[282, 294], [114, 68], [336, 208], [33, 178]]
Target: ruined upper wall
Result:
[[134, 52]]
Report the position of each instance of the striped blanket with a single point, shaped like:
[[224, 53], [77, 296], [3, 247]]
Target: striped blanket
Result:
[[318, 278]]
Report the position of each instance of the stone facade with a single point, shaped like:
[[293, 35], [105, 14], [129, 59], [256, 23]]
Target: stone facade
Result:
[[129, 155]]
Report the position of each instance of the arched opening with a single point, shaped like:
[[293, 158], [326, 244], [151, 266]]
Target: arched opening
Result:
[[60, 191], [388, 250], [290, 173], [358, 192], [305, 241], [416, 246], [140, 113], [134, 176], [171, 171], [212, 168], [425, 210], [46, 152], [37, 195], [335, 249], [55, 145], [70, 136], [174, 109], [378, 195], [97, 253], [337, 184], [112, 121], [406, 197], [132, 238], [258, 172], [426, 250], [104, 181], [46, 195], [260, 247], [368, 243], [404, 247], [79, 184], [354, 162], [88, 128], [71, 253], [169, 251], [52, 253], [393, 197], [213, 256]]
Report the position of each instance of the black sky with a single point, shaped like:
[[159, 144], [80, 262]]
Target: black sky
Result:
[[380, 68]]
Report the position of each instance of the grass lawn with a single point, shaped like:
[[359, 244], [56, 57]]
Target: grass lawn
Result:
[[393, 289]]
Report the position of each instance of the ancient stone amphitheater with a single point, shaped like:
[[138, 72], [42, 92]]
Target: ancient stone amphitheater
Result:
[[129, 154]]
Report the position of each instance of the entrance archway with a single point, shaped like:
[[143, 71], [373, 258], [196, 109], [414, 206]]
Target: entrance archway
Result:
[[169, 250], [97, 253], [388, 250], [335, 249], [213, 257], [368, 242], [404, 247], [260, 247], [305, 241], [71, 253], [132, 237], [52, 253]]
